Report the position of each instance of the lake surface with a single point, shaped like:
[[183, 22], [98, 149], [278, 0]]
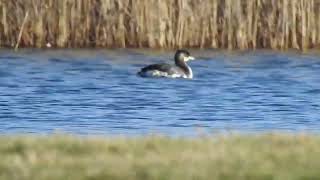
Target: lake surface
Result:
[[94, 92]]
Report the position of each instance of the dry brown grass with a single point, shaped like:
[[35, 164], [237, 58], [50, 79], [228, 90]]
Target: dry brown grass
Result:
[[232, 24]]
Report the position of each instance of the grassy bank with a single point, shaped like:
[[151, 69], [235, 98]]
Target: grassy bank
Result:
[[233, 24], [218, 157]]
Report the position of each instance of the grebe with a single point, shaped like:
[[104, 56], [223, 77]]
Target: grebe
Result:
[[179, 70]]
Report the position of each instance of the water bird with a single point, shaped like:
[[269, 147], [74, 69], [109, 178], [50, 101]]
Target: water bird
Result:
[[179, 70]]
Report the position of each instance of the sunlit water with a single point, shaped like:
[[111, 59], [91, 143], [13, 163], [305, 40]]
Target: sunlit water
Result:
[[97, 92]]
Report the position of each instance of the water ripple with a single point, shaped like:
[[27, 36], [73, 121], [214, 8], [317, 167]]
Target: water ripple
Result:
[[101, 94]]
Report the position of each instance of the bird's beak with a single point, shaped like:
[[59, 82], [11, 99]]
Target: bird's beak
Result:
[[190, 58]]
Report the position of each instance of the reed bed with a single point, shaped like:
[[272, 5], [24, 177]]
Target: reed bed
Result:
[[232, 24]]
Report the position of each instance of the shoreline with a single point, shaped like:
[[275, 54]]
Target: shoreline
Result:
[[264, 156]]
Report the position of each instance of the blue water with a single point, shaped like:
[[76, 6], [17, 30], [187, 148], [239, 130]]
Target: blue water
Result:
[[97, 92]]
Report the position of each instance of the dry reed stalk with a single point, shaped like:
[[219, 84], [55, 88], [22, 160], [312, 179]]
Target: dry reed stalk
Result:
[[294, 38], [304, 20], [21, 30], [232, 24], [214, 24]]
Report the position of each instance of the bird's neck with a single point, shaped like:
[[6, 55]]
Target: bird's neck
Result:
[[186, 69]]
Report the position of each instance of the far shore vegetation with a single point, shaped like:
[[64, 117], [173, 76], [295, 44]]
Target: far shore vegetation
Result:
[[229, 24], [227, 157]]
